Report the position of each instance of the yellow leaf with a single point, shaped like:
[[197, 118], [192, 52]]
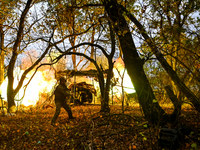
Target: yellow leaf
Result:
[[34, 29]]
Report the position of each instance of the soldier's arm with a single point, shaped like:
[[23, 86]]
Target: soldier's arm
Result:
[[67, 92], [64, 90]]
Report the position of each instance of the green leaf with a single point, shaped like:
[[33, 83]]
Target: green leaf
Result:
[[191, 133], [145, 125], [144, 138], [194, 145], [26, 132], [155, 101], [141, 134]]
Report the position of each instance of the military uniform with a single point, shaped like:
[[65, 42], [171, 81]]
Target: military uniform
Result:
[[61, 93]]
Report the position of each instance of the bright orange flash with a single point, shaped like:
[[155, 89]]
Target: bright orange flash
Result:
[[42, 82]]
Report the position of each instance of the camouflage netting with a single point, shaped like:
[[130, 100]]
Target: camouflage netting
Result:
[[71, 73]]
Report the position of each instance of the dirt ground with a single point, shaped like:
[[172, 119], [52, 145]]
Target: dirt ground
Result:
[[31, 129]]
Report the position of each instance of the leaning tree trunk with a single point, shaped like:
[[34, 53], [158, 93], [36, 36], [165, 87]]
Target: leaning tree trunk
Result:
[[134, 64], [173, 75]]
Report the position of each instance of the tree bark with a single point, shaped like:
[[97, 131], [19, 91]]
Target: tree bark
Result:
[[10, 91], [2, 53], [134, 64], [175, 101], [105, 101]]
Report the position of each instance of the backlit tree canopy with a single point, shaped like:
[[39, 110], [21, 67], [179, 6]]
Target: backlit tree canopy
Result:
[[162, 30]]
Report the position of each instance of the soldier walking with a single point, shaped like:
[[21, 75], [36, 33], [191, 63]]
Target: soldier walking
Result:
[[61, 93]]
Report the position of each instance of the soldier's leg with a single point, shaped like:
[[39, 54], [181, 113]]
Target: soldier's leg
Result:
[[57, 112], [68, 109]]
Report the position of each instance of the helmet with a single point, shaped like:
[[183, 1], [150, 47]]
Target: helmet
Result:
[[62, 79]]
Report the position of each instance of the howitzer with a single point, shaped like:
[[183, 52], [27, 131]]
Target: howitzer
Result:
[[82, 92]]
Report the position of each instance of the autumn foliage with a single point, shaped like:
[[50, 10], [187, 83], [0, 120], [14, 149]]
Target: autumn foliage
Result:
[[31, 129]]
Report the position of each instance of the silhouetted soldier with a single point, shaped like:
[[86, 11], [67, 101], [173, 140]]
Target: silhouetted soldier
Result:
[[61, 93]]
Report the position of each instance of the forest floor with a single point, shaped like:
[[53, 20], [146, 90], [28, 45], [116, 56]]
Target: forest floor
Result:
[[91, 130]]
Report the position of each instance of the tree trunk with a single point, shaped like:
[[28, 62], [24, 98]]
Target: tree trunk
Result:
[[1, 67], [92, 41], [10, 91], [1, 56], [186, 91], [105, 102], [175, 101], [104, 89], [11, 99], [134, 64]]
